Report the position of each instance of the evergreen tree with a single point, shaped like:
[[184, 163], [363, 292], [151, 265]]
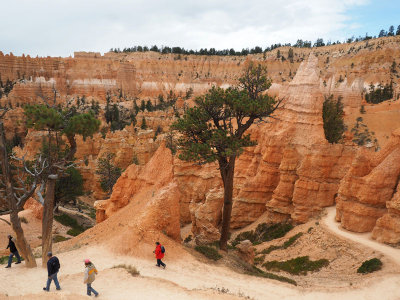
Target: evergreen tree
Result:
[[108, 172], [144, 125], [332, 115], [290, 55], [69, 186], [391, 31], [382, 33], [398, 30], [214, 130], [149, 105], [142, 105]]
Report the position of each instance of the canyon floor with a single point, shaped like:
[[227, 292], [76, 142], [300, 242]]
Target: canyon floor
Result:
[[189, 277]]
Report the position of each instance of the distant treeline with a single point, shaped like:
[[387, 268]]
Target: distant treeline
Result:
[[245, 51]]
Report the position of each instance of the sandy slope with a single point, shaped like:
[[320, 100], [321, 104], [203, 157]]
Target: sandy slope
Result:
[[184, 278], [361, 238]]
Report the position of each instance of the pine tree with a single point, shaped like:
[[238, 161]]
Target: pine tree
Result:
[[214, 130], [108, 172], [332, 115], [391, 31]]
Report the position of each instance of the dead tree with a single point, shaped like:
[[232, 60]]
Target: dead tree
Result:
[[17, 193]]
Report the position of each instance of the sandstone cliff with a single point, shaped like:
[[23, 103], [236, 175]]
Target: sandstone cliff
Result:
[[291, 174]]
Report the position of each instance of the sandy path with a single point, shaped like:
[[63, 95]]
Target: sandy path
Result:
[[185, 278], [360, 238]]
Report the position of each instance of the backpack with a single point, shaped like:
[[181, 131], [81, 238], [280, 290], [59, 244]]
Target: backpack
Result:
[[55, 264], [162, 249]]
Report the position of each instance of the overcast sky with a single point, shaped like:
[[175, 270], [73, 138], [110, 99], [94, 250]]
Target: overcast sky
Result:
[[60, 27]]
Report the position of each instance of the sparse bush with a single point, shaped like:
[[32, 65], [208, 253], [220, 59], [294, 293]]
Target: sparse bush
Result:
[[23, 220], [4, 259], [291, 240], [263, 233], [66, 220], [297, 266], [285, 245], [135, 159], [209, 252], [370, 266], [59, 238], [259, 259], [129, 268], [254, 271]]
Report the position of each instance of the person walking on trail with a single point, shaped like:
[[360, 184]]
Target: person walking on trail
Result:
[[160, 250], [13, 251], [90, 276], [53, 266]]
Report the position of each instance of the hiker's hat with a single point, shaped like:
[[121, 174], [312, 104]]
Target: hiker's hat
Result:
[[87, 261]]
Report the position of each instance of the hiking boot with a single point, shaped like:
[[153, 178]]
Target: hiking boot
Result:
[[8, 267], [164, 266], [96, 295], [18, 262], [59, 289], [44, 289]]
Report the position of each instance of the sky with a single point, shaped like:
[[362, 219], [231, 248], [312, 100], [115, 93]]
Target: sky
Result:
[[60, 27]]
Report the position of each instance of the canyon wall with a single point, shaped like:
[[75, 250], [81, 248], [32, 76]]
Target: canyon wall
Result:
[[292, 173]]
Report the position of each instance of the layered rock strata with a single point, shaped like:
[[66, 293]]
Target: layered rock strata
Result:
[[291, 174]]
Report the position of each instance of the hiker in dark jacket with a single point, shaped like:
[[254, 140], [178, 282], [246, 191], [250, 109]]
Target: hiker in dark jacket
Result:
[[159, 255], [13, 251], [53, 265]]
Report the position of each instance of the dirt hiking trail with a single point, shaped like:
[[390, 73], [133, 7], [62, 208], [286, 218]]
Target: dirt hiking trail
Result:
[[184, 278]]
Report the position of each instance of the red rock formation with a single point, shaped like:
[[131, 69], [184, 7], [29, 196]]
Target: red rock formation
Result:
[[367, 192], [292, 173]]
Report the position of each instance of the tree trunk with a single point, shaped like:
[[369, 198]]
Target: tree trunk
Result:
[[21, 242], [47, 222], [227, 179]]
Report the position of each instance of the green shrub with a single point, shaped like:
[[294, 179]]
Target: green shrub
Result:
[[297, 266], [188, 239], [75, 231], [370, 266], [263, 233], [4, 259], [66, 220], [59, 238], [254, 271], [291, 240], [259, 259], [270, 249], [285, 245], [209, 252]]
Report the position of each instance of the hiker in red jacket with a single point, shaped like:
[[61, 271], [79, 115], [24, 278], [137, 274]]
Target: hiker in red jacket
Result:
[[159, 254]]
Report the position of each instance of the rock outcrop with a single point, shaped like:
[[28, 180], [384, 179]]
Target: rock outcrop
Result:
[[291, 174], [368, 198]]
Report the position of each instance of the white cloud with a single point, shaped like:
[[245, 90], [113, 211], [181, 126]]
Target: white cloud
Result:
[[59, 27]]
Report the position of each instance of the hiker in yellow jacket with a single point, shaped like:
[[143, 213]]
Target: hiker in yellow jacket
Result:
[[90, 275]]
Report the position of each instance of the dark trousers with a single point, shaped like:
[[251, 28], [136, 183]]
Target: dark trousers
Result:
[[159, 262]]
